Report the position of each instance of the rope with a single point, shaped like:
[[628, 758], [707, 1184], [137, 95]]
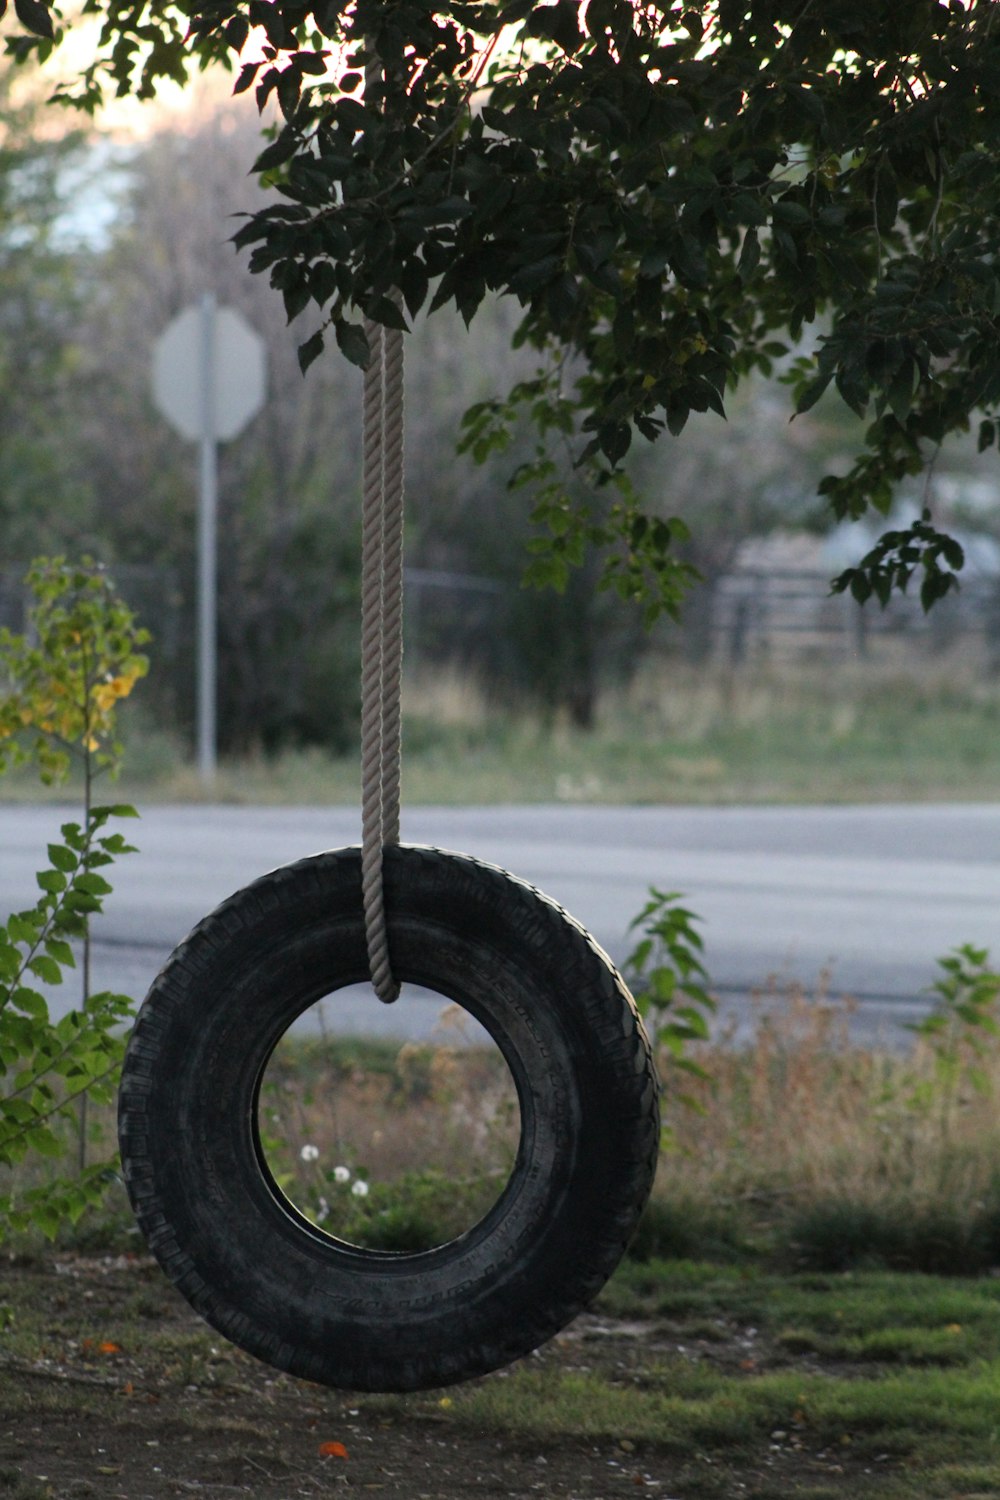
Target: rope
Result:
[[381, 634]]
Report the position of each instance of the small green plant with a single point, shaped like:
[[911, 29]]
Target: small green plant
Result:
[[60, 684], [961, 1031], [669, 982]]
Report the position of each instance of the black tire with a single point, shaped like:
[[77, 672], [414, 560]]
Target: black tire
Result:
[[274, 1283]]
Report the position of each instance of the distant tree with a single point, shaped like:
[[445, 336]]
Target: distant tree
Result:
[[40, 300], [674, 193], [288, 528]]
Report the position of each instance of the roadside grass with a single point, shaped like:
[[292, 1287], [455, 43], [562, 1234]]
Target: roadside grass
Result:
[[676, 736], [791, 732]]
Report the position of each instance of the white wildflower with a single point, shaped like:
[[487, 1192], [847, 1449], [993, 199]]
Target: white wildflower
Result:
[[322, 1211], [341, 1174], [360, 1188], [309, 1153]]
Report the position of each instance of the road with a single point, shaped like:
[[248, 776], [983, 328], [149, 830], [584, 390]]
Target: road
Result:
[[870, 894]]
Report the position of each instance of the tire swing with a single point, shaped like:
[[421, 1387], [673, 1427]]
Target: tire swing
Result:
[[259, 1271]]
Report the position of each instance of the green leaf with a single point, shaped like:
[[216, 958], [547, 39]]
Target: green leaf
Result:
[[61, 952], [51, 881], [108, 810], [24, 927], [787, 211], [46, 1143], [46, 969], [47, 1219], [900, 392], [30, 1002], [115, 844], [35, 17], [677, 416], [749, 255], [886, 198], [62, 858], [278, 152], [310, 351], [953, 554], [296, 298], [247, 74], [76, 901], [352, 342]]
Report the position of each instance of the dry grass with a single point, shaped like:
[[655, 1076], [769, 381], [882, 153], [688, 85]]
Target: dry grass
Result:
[[421, 1137], [800, 1133], [786, 732], [797, 1134], [799, 1146]]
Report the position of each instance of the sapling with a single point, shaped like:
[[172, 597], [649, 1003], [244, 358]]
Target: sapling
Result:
[[668, 979], [60, 686]]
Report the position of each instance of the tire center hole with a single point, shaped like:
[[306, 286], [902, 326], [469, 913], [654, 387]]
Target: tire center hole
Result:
[[399, 1136]]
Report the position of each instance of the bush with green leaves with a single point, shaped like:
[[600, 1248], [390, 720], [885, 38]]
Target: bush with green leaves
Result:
[[60, 684], [961, 1031]]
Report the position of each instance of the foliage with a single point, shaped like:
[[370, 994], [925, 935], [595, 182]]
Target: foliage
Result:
[[46, 1066], [288, 538], [673, 193], [62, 682], [961, 1031], [668, 979], [41, 293], [66, 675]]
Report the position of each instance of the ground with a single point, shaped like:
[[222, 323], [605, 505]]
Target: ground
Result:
[[111, 1387]]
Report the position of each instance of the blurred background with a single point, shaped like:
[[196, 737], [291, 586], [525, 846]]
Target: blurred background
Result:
[[769, 687]]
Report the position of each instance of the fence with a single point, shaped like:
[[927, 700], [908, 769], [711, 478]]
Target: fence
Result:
[[779, 614], [749, 617]]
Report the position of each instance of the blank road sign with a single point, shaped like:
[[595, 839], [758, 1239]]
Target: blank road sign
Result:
[[181, 365]]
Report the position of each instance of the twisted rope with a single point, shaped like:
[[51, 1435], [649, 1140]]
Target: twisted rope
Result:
[[381, 634]]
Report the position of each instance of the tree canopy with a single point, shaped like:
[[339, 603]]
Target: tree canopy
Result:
[[678, 195]]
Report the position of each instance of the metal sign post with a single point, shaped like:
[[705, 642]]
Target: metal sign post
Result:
[[208, 510], [209, 379]]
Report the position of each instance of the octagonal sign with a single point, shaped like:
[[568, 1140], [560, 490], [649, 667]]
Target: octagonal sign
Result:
[[209, 372]]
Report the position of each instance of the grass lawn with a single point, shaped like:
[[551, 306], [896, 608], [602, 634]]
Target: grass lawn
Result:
[[772, 1386], [688, 1380]]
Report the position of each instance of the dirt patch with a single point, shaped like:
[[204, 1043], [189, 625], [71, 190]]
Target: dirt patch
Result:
[[111, 1387]]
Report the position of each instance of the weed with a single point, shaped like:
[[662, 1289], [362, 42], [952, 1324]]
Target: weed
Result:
[[668, 979]]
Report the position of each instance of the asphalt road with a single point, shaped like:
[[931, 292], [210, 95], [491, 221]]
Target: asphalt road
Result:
[[868, 895]]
